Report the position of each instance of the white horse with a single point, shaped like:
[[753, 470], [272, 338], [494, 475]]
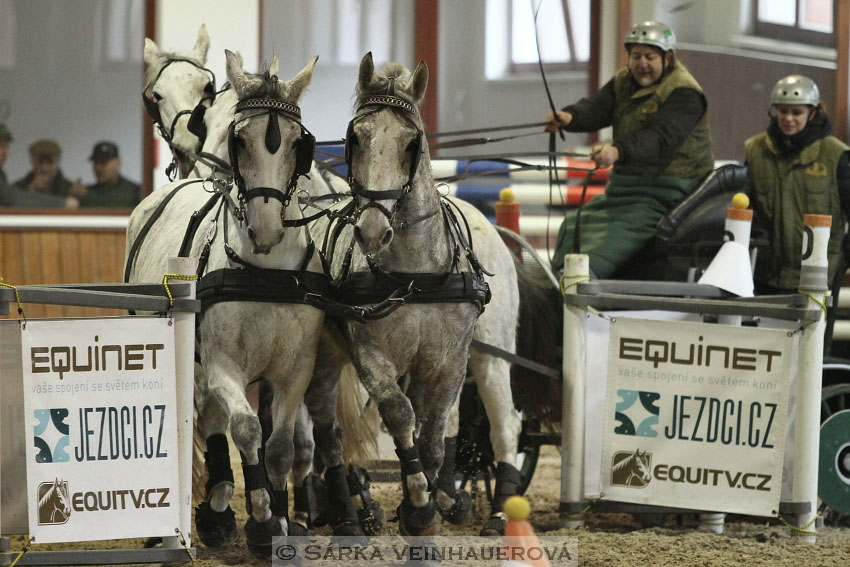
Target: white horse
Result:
[[241, 340], [178, 88], [405, 232]]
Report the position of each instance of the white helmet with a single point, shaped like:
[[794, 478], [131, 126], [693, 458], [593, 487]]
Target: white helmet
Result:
[[795, 89], [652, 33]]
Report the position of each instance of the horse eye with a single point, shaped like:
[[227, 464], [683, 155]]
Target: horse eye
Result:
[[240, 141], [352, 140], [156, 96], [411, 146]]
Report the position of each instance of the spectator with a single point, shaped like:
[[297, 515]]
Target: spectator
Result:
[[111, 190], [45, 186]]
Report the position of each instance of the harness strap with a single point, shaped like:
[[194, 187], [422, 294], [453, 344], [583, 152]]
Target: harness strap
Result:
[[134, 249], [238, 284], [516, 359], [197, 217], [377, 287]]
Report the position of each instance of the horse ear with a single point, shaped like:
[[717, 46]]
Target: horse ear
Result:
[[418, 82], [367, 72], [235, 73], [302, 80], [202, 45], [274, 68], [151, 51]]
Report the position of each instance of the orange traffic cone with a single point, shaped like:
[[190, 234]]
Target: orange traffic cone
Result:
[[521, 546]]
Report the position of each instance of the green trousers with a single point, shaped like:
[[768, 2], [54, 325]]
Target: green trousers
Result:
[[617, 225]]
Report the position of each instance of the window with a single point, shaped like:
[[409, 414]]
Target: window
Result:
[[563, 31], [802, 21]]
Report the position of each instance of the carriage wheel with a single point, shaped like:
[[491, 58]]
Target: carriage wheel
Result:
[[834, 465], [475, 459]]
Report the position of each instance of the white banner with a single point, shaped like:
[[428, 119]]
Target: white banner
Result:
[[696, 415], [100, 404]]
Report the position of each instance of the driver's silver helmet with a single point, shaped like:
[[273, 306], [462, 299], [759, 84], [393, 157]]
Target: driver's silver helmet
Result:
[[795, 89], [652, 33]]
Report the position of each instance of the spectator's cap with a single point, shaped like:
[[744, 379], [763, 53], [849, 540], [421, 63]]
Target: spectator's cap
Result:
[[653, 33], [104, 150], [5, 134], [47, 148]]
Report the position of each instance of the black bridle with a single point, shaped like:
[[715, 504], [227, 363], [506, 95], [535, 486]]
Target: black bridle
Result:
[[303, 146], [196, 124], [371, 105]]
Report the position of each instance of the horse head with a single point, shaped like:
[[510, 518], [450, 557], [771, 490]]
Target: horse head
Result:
[[268, 146], [385, 146], [178, 89]]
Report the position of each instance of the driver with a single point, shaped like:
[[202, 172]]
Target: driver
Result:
[[660, 152], [796, 168]]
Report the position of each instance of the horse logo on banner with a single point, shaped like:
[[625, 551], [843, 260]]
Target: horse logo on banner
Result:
[[631, 468], [53, 503]]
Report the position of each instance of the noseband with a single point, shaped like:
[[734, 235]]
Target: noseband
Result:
[[369, 106], [303, 146], [196, 124]]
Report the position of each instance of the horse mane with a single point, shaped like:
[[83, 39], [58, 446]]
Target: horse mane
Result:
[[42, 502], [265, 85], [400, 76], [162, 59]]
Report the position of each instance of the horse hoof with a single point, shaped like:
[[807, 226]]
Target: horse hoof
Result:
[[259, 536], [215, 529], [347, 528], [371, 517], [298, 530], [460, 510], [422, 521], [495, 526]]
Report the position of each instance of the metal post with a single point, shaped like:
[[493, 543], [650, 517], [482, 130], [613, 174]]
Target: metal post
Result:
[[814, 283], [576, 269], [184, 346]]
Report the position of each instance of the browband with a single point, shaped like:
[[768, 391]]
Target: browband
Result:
[[389, 100], [269, 103]]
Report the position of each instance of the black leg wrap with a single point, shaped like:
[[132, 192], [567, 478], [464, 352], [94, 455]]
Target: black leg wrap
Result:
[[370, 513], [217, 461], [507, 485], [280, 504], [255, 476], [341, 515]]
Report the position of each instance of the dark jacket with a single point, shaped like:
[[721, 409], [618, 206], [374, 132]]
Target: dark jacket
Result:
[[60, 186], [661, 129], [123, 194]]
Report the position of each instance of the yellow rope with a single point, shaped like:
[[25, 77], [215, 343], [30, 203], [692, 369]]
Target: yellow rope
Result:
[[167, 277], [576, 279], [21, 554], [804, 529], [17, 298], [820, 301], [183, 543]]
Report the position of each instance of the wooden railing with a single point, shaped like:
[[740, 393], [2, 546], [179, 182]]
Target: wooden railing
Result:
[[54, 247]]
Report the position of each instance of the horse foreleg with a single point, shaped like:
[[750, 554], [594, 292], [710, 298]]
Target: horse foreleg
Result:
[[302, 464], [321, 401], [215, 521], [454, 504], [492, 376]]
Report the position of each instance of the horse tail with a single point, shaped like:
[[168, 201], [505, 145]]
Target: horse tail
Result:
[[361, 437], [539, 338]]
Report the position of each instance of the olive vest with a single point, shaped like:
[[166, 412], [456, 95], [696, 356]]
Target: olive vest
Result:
[[785, 190], [693, 158]]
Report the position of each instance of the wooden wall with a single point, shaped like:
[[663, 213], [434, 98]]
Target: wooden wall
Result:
[[61, 255], [738, 90]]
